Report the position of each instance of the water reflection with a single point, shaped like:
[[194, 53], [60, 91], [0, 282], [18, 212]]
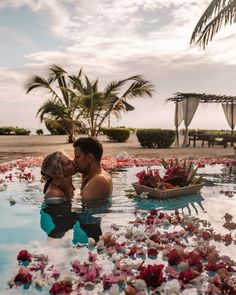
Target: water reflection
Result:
[[57, 219], [192, 204], [90, 218]]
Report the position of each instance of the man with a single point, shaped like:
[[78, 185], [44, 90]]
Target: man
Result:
[[96, 186]]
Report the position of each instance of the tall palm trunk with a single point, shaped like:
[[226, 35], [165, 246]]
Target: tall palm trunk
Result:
[[71, 135], [93, 132], [71, 138]]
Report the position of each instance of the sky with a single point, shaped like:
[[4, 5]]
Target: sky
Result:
[[111, 40]]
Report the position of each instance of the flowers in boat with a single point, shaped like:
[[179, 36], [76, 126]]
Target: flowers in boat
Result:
[[149, 177], [177, 174], [180, 172]]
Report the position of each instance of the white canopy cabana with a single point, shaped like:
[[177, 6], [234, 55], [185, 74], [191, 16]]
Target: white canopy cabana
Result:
[[186, 105]]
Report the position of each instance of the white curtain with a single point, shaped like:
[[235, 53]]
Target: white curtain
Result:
[[189, 108], [230, 114], [178, 120]]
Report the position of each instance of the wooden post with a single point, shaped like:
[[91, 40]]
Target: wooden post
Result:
[[176, 124], [232, 122], [109, 121], [185, 143]]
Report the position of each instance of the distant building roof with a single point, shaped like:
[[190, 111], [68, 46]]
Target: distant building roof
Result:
[[205, 98]]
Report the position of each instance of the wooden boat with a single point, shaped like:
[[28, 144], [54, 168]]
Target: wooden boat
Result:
[[167, 193]]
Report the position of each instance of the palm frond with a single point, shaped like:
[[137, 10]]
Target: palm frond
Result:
[[113, 87], [58, 74], [64, 89], [114, 103], [128, 107], [88, 83], [122, 106], [80, 73], [77, 84], [51, 107], [135, 78], [36, 82], [139, 88], [55, 72], [98, 98], [88, 102], [116, 114], [111, 101], [95, 86], [219, 13], [71, 92]]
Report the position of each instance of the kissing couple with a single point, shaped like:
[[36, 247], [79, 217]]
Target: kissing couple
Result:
[[57, 170]]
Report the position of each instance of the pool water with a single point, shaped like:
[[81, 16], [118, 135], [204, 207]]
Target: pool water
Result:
[[27, 223]]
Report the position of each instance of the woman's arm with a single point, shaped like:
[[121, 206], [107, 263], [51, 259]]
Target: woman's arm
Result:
[[66, 185]]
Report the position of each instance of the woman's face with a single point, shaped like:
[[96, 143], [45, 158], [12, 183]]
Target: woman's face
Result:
[[69, 166]]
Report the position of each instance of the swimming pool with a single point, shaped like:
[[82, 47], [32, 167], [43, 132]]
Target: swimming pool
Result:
[[26, 223]]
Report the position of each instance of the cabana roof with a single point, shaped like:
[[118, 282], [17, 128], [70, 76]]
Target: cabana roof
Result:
[[205, 98]]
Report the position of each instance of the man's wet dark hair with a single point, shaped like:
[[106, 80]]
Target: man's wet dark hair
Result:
[[90, 145]]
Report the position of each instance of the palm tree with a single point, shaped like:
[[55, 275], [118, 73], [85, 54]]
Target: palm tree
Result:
[[62, 105], [80, 103], [219, 13], [96, 106]]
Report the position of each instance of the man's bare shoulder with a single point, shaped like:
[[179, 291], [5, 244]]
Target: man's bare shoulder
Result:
[[99, 187], [101, 179], [103, 175]]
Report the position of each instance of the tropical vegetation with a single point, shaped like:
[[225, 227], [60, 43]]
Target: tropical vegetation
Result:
[[214, 132], [117, 134], [10, 130], [219, 13], [39, 131], [155, 138], [77, 102], [62, 104]]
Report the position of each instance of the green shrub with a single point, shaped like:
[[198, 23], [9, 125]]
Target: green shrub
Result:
[[9, 130], [39, 131], [206, 131], [60, 127], [117, 134], [132, 130], [22, 131], [54, 127], [155, 138], [195, 131]]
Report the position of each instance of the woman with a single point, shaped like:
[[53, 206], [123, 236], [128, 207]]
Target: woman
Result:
[[57, 170]]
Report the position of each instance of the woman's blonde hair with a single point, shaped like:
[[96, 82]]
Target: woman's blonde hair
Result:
[[53, 164]]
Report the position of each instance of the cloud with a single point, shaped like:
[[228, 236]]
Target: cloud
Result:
[[14, 35], [116, 39], [116, 28], [109, 29], [17, 4]]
